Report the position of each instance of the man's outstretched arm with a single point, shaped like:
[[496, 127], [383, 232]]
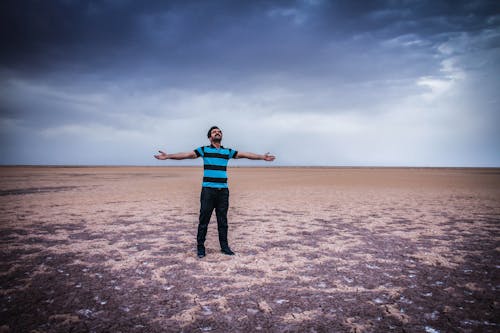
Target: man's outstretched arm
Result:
[[178, 156], [251, 156]]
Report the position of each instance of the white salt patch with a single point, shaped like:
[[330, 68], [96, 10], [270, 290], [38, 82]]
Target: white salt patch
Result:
[[346, 279], [206, 311], [85, 312]]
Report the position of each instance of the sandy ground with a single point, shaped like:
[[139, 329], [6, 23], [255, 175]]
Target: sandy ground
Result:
[[318, 250]]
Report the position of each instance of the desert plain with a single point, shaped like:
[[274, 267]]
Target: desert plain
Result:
[[112, 249]]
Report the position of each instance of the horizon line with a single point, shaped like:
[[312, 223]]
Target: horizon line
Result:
[[244, 166]]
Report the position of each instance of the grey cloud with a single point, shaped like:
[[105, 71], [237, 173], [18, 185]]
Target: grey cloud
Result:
[[123, 64], [83, 35], [226, 44], [403, 17]]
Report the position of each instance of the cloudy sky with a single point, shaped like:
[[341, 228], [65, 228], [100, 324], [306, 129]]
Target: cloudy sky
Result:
[[361, 83]]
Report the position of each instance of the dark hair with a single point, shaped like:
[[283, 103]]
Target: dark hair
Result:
[[210, 130]]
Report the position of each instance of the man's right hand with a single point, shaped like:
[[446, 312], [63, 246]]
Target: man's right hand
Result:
[[161, 156]]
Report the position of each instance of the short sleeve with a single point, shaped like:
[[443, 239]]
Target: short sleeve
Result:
[[198, 151], [233, 154]]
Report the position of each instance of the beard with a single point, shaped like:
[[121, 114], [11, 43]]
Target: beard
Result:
[[217, 139]]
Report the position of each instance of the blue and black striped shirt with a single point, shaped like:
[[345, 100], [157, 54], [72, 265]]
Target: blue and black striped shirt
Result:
[[215, 165]]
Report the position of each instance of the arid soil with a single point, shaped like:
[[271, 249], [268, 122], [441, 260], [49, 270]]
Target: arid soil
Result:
[[317, 250]]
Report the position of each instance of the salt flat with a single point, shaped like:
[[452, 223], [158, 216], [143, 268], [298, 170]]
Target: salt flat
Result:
[[318, 249]]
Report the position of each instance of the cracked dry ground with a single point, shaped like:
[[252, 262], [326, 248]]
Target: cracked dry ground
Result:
[[318, 250]]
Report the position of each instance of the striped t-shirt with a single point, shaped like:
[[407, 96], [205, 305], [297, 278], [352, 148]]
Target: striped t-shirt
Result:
[[215, 165]]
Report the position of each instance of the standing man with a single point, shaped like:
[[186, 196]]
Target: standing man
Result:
[[214, 192]]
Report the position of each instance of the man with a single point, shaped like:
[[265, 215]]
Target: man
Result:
[[214, 193]]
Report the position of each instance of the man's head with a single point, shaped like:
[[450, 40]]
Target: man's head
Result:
[[214, 134]]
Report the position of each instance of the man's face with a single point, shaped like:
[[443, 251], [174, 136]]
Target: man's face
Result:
[[216, 135]]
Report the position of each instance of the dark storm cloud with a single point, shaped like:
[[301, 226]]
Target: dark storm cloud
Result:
[[211, 35], [233, 45], [403, 17], [38, 33]]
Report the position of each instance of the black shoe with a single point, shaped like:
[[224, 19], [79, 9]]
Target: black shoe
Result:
[[227, 251], [201, 252]]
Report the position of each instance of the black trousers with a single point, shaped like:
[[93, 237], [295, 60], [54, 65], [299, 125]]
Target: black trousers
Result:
[[210, 199]]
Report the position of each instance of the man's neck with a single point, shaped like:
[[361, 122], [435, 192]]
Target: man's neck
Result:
[[216, 144]]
